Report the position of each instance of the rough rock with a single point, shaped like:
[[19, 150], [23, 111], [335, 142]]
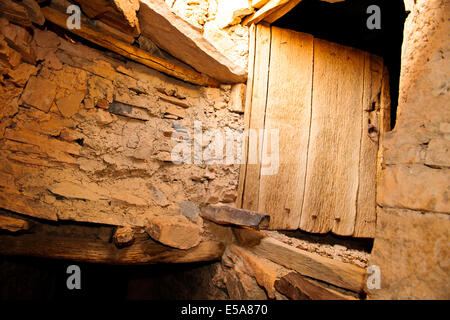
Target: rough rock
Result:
[[123, 237], [174, 231], [39, 93], [237, 98], [416, 187], [231, 12], [68, 106]]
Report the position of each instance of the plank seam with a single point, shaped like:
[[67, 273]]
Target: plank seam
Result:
[[309, 132], [360, 144], [246, 137], [264, 122]]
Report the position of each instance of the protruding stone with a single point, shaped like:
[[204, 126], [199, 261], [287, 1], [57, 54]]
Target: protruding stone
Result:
[[237, 98], [103, 117], [20, 75], [239, 217], [174, 111], [174, 231], [123, 237]]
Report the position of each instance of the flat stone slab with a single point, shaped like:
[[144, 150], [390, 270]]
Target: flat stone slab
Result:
[[185, 42], [235, 216]]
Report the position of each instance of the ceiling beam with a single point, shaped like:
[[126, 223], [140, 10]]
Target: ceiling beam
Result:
[[129, 51], [277, 14], [271, 11], [265, 11]]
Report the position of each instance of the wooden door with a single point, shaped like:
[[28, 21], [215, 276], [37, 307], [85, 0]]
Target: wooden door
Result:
[[327, 104]]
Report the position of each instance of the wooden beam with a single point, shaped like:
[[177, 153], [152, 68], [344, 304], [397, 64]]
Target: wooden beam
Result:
[[366, 216], [258, 4], [98, 25], [130, 51], [296, 287], [264, 12], [235, 216], [185, 42], [277, 14], [143, 251], [120, 14], [335, 272]]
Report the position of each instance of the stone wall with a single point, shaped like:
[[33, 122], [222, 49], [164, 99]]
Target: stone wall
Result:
[[412, 240], [219, 20], [87, 136]]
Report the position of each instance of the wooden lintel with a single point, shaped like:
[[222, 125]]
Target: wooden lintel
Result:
[[281, 11], [269, 8], [235, 216], [258, 4], [130, 51], [142, 251]]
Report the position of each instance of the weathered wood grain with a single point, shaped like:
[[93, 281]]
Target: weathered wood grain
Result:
[[335, 272], [143, 251], [259, 3], [333, 157], [265, 11], [247, 112], [327, 152], [265, 272], [288, 112], [297, 287], [366, 215], [257, 115]]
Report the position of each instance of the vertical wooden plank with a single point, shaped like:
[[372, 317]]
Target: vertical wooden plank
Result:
[[366, 204], [385, 105], [258, 109], [288, 111], [247, 111], [331, 185]]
